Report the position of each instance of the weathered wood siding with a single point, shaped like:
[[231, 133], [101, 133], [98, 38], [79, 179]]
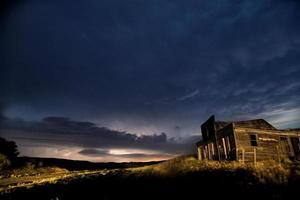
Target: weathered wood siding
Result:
[[234, 142], [269, 145], [226, 143]]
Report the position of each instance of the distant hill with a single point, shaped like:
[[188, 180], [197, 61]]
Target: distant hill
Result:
[[79, 165], [293, 129]]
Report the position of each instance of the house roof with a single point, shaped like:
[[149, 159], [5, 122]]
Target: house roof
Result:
[[220, 124], [256, 123]]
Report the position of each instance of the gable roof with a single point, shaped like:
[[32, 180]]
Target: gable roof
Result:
[[256, 124]]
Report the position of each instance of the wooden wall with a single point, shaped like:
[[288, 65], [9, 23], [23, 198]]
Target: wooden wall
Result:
[[269, 145], [234, 143], [221, 149], [226, 143]]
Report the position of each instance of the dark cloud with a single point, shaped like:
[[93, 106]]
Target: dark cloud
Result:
[[94, 141], [146, 67], [67, 123], [1, 112], [94, 152]]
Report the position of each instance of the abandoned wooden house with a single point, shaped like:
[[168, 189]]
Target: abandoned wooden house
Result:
[[252, 140]]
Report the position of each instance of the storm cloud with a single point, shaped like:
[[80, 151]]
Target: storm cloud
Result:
[[146, 67], [92, 141]]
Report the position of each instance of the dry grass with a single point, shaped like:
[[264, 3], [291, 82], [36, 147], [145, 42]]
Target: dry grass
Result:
[[264, 172], [30, 170]]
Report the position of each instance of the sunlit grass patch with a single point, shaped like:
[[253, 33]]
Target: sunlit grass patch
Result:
[[263, 172]]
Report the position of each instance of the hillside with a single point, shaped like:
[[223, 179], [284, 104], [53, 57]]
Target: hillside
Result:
[[80, 165], [179, 178]]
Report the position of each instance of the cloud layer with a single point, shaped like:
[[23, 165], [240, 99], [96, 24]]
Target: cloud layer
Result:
[[62, 137], [148, 67]]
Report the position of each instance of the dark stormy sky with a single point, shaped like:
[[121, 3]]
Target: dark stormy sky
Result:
[[115, 80]]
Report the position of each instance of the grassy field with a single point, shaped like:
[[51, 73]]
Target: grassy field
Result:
[[179, 178], [30, 172], [268, 172]]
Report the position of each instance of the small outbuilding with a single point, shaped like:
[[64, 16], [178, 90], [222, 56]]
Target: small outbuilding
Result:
[[247, 141]]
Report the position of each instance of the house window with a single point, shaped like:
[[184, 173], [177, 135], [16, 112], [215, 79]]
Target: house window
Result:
[[253, 140]]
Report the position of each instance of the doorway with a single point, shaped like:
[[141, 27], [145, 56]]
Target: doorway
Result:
[[296, 145]]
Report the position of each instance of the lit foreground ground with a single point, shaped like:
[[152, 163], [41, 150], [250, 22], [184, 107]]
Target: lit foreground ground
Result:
[[180, 178], [11, 183]]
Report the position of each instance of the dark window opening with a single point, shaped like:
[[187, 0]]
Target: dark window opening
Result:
[[296, 145], [253, 140]]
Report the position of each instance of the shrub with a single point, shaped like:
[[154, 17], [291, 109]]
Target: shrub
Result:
[[4, 162], [9, 149]]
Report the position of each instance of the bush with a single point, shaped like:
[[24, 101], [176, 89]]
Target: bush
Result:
[[9, 149], [4, 162]]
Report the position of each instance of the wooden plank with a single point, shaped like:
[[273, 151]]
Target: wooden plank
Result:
[[199, 153], [224, 148], [243, 155], [254, 157]]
